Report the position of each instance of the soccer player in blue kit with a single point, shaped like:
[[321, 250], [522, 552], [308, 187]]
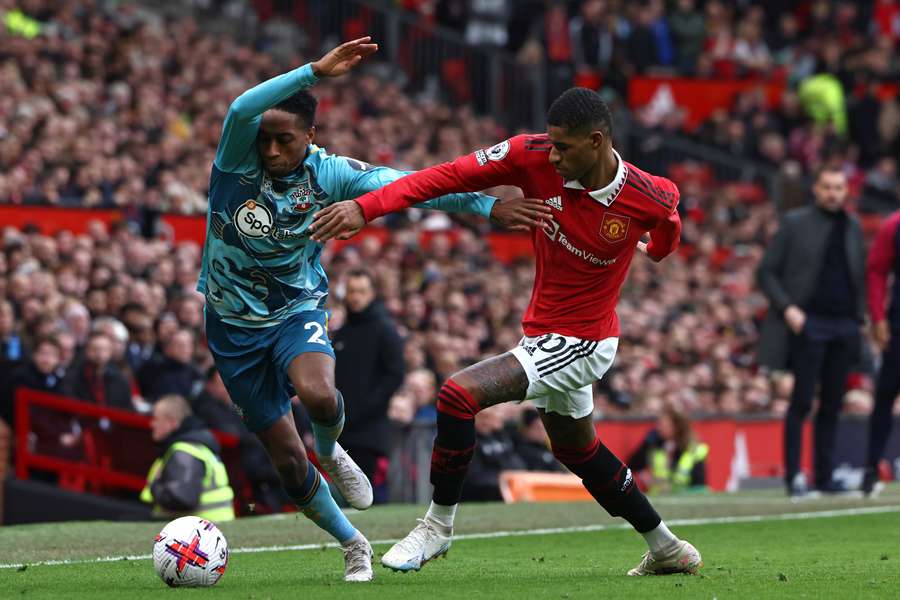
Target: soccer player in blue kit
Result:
[[266, 289]]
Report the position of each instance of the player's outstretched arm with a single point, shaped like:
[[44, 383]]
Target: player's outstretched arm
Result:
[[477, 171], [237, 145], [349, 178]]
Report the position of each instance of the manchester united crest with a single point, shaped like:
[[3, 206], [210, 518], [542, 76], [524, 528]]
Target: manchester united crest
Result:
[[614, 228]]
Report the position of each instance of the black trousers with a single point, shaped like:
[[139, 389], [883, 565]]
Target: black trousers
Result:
[[886, 390], [821, 355], [374, 464]]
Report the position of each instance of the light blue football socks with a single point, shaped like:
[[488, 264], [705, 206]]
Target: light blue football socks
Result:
[[314, 500], [326, 433]]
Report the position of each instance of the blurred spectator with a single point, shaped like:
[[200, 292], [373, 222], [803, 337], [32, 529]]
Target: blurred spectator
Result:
[[174, 371], [533, 446], [188, 478], [592, 40], [78, 323], [750, 50], [487, 22], [671, 459], [52, 433], [641, 46], [12, 347], [813, 273], [453, 14], [883, 185], [117, 333], [689, 32], [69, 351], [142, 339], [884, 261], [369, 369], [822, 97], [97, 379]]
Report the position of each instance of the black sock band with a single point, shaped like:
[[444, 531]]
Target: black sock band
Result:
[[450, 458], [610, 483]]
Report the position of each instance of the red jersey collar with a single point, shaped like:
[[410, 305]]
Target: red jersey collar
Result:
[[605, 195]]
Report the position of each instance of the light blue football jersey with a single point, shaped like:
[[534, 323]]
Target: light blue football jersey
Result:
[[259, 265]]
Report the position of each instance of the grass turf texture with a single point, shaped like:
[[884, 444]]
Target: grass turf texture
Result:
[[838, 557]]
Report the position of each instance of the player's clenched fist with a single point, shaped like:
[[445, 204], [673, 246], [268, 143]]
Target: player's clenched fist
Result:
[[341, 220], [344, 57]]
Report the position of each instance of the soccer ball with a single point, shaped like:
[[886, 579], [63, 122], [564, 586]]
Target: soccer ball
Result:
[[190, 552]]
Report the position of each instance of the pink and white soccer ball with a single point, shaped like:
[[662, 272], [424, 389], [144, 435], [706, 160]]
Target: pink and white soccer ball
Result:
[[190, 552]]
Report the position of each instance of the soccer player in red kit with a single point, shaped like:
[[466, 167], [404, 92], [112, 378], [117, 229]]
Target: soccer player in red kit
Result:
[[600, 206]]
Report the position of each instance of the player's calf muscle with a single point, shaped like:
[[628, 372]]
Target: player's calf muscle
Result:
[[286, 451], [607, 479]]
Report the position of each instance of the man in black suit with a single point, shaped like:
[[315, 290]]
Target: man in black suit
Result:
[[369, 369], [813, 274]]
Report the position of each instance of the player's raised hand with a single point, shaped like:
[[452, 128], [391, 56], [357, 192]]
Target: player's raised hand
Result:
[[642, 248], [344, 57], [521, 214], [341, 220]]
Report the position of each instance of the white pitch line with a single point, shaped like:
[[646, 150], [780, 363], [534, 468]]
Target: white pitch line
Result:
[[796, 516]]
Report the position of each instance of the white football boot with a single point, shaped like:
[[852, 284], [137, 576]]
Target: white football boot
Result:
[[685, 559], [429, 540], [349, 478], [358, 560]]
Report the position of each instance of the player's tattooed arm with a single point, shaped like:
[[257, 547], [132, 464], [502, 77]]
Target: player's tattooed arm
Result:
[[495, 380]]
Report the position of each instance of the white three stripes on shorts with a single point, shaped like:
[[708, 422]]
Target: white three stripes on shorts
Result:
[[562, 369]]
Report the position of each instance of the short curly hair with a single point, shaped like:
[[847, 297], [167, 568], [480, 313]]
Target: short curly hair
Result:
[[303, 105], [580, 109]]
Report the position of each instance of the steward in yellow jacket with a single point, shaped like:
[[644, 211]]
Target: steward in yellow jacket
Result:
[[188, 478]]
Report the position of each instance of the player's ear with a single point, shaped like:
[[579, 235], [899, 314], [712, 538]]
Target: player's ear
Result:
[[597, 139], [310, 134]]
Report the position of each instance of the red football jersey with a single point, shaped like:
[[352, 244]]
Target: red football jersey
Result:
[[582, 263]]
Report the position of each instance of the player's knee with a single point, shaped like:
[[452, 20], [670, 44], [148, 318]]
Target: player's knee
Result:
[[319, 397], [456, 401]]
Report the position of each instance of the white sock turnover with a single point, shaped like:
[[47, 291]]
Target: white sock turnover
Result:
[[660, 540], [443, 515]]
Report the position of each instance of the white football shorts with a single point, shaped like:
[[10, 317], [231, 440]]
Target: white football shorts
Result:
[[562, 369]]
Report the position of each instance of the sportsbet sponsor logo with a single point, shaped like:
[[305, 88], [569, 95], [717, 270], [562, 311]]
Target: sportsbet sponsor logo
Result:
[[558, 236], [253, 220]]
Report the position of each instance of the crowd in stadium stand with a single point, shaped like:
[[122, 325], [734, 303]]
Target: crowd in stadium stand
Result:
[[114, 109], [109, 109], [838, 61]]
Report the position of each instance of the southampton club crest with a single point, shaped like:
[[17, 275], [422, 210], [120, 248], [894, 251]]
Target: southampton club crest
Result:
[[614, 228], [302, 199]]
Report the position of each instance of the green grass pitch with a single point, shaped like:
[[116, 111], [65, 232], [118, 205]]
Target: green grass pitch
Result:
[[823, 553]]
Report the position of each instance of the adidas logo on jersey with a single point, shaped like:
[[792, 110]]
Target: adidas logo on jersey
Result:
[[554, 202]]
